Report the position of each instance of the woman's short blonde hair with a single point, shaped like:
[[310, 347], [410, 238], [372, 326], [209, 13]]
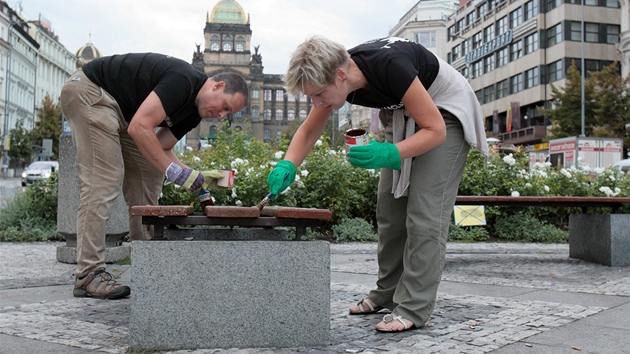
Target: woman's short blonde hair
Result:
[[315, 62]]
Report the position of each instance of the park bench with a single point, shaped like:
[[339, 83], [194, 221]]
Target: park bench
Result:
[[597, 238]]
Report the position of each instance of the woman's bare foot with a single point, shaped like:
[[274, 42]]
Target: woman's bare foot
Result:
[[364, 307], [394, 323]]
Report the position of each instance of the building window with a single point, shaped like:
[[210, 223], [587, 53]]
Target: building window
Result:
[[267, 114], [456, 52], [488, 94], [488, 63], [279, 96], [576, 31], [477, 69], [291, 114], [552, 4], [488, 33], [227, 43], [466, 46], [255, 113], [531, 9], [612, 34], [502, 26], [212, 133], [612, 3], [554, 35], [479, 95], [302, 114], [278, 134], [214, 43], [590, 2], [290, 97], [255, 94], [477, 40], [303, 98], [238, 114], [516, 17], [532, 77], [592, 32], [267, 134], [502, 89], [426, 39], [554, 71], [516, 50], [503, 56], [268, 95], [516, 83], [279, 114], [240, 44], [531, 43]]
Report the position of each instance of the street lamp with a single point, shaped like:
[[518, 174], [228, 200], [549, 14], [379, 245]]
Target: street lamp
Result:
[[583, 35]]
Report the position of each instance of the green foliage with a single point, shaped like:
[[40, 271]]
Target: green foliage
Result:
[[21, 146], [467, 234], [48, 125], [31, 215], [354, 229], [526, 228]]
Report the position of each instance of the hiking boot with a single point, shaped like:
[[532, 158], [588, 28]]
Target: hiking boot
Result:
[[99, 284]]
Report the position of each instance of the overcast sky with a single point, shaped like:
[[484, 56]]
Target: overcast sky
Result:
[[174, 26]]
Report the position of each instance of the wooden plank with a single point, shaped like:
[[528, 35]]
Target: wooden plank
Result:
[[297, 213], [161, 210], [233, 212]]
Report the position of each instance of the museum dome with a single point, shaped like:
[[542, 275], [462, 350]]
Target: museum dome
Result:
[[228, 11], [88, 52]]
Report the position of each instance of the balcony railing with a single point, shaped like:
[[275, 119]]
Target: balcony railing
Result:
[[528, 135]]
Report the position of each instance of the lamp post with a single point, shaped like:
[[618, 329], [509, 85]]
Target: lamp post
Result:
[[583, 71]]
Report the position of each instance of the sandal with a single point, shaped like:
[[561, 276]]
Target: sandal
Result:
[[364, 311], [389, 318]]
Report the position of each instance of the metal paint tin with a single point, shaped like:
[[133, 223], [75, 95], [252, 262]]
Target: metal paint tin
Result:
[[227, 180], [355, 136]]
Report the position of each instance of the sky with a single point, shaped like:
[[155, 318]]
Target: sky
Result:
[[173, 27]]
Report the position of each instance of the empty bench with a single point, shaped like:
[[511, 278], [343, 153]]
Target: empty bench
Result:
[[597, 238]]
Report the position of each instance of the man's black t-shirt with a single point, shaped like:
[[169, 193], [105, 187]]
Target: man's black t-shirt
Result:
[[130, 78], [390, 65]]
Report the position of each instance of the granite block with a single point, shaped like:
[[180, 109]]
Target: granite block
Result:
[[227, 234], [600, 238], [229, 294]]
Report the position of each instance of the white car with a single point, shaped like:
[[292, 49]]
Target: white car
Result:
[[38, 170], [623, 165]]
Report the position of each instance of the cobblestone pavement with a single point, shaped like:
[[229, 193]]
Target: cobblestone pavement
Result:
[[461, 323]]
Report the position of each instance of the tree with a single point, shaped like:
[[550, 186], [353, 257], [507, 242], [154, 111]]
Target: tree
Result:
[[612, 104], [566, 117], [21, 146], [48, 125]]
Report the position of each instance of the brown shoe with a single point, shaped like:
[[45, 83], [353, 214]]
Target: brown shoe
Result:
[[99, 284]]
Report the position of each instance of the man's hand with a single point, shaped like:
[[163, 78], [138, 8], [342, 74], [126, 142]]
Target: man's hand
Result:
[[185, 177], [281, 177], [375, 155]]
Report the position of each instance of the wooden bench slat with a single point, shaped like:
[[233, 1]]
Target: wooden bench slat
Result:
[[161, 210]]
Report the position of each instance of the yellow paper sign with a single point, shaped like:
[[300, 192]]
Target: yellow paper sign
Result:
[[469, 215]]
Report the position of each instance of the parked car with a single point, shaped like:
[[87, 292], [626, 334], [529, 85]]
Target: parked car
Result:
[[38, 170], [623, 165]]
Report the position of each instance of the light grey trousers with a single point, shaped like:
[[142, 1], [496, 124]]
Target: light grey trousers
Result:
[[413, 230], [107, 159]]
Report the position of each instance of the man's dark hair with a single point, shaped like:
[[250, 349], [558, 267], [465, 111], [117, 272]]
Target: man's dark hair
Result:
[[233, 83]]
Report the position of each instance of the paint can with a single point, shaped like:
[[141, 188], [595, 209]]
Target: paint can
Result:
[[227, 180], [355, 137]]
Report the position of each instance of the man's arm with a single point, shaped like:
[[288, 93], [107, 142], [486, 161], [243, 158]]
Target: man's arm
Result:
[[142, 129]]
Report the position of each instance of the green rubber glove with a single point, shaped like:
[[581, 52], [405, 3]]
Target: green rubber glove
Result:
[[376, 155], [280, 177], [210, 179]]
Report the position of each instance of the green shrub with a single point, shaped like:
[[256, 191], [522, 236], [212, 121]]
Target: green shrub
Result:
[[467, 234], [31, 215], [526, 228], [354, 229]]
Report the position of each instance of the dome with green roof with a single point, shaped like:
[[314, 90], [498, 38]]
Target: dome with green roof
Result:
[[228, 11]]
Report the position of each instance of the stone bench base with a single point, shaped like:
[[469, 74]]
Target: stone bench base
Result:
[[600, 238], [229, 294]]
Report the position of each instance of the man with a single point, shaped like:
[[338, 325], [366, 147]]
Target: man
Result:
[[126, 113]]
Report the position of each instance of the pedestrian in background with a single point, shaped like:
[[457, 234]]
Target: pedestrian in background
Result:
[[432, 117], [126, 113]]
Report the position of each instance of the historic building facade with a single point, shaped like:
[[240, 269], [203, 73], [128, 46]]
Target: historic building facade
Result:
[[227, 47]]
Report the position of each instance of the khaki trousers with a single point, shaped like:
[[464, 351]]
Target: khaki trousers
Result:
[[413, 230], [107, 159]]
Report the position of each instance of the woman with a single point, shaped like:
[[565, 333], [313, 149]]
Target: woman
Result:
[[432, 117]]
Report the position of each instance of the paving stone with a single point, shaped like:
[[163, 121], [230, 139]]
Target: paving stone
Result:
[[161, 210]]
